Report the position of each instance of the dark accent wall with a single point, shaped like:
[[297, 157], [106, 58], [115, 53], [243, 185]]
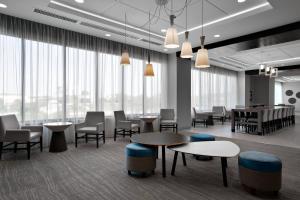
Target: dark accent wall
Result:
[[184, 93]]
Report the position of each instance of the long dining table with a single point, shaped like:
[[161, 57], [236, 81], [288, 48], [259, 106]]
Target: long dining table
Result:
[[259, 113]]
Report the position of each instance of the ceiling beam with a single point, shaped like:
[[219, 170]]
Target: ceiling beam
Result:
[[256, 71], [277, 35]]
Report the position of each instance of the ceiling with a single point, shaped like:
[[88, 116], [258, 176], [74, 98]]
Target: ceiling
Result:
[[99, 17], [289, 76]]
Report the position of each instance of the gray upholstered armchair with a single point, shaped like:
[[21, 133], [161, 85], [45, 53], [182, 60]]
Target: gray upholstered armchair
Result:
[[219, 113], [93, 128], [200, 118], [11, 133], [167, 119], [125, 126]]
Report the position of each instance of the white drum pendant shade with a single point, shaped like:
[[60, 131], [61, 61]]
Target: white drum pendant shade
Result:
[[186, 49], [202, 59], [171, 40]]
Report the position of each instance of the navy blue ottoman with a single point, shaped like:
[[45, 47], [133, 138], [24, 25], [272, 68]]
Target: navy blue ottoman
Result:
[[260, 171], [140, 159], [201, 137]]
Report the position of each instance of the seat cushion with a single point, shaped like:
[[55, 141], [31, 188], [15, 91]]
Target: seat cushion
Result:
[[87, 129], [133, 126], [168, 122], [34, 135], [198, 137], [260, 161], [139, 150]]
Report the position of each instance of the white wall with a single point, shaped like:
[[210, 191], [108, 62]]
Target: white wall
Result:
[[295, 87], [241, 88], [172, 81]]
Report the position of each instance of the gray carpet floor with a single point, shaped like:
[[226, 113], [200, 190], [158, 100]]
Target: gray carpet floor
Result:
[[90, 173]]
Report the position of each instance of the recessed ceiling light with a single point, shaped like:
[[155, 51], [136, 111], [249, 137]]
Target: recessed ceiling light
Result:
[[163, 30], [107, 35], [3, 5], [79, 1], [241, 1], [217, 35], [228, 17]]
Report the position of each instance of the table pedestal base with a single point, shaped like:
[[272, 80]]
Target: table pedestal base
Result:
[[148, 127], [58, 142]]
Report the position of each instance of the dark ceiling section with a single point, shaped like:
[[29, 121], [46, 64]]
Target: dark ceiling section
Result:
[[256, 71], [282, 34]]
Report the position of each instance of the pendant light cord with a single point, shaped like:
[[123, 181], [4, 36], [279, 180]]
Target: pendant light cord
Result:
[[202, 17], [186, 15], [125, 30], [149, 42]]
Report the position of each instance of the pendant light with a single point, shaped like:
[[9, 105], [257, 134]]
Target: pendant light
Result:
[[171, 39], [186, 49], [125, 55], [149, 68], [202, 54]]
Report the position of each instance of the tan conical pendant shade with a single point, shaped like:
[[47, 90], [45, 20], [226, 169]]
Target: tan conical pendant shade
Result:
[[125, 58], [202, 59], [149, 70]]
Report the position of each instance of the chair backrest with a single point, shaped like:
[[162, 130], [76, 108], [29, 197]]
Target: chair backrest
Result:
[[195, 110], [8, 122], [119, 116], [167, 114], [271, 114], [219, 109], [93, 118], [279, 113], [265, 115]]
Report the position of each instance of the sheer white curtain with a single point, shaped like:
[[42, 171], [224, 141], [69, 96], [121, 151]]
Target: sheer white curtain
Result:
[[10, 75], [278, 93], [213, 87], [43, 81], [155, 89], [80, 82], [110, 83], [133, 86]]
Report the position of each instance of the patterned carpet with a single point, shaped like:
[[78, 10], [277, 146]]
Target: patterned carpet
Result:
[[90, 173]]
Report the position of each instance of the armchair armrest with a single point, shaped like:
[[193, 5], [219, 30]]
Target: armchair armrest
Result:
[[80, 125], [100, 126], [124, 124], [35, 128], [17, 135]]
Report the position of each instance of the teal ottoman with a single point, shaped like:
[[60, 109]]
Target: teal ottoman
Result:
[[201, 137], [260, 171], [140, 159]]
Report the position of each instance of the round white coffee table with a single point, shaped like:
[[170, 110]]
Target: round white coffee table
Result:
[[221, 149], [58, 140]]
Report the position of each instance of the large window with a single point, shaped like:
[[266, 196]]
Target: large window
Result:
[[213, 87], [80, 82], [43, 81], [278, 93], [10, 75]]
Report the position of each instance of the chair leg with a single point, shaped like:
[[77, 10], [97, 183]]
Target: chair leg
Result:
[[123, 133], [28, 150], [115, 134], [15, 147], [139, 130], [76, 135], [86, 138], [97, 140], [103, 137], [41, 143], [159, 128], [1, 147]]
